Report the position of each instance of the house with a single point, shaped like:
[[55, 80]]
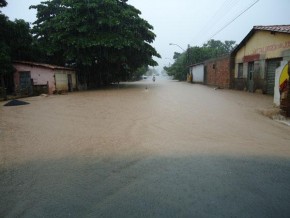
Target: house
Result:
[[197, 73], [31, 77], [217, 72], [257, 57]]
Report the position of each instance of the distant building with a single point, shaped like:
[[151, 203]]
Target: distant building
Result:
[[30, 77], [258, 56]]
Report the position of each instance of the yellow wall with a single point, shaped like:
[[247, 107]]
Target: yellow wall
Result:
[[264, 43]]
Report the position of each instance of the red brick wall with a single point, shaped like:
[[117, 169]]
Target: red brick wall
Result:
[[218, 72]]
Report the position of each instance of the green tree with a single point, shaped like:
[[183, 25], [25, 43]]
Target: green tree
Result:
[[21, 40], [15, 44], [179, 68], [139, 72], [106, 39], [3, 3], [194, 55], [5, 61], [217, 48]]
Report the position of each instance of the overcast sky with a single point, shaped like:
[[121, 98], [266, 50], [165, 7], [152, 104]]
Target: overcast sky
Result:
[[190, 22]]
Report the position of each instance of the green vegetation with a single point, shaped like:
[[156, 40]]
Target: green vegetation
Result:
[[16, 43], [3, 3], [193, 55], [105, 40]]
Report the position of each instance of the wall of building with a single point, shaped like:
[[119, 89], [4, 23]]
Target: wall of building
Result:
[[39, 75], [197, 72], [266, 44], [218, 72], [61, 80], [259, 49], [57, 80]]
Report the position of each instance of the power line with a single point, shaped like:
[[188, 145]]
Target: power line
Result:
[[222, 11], [233, 19]]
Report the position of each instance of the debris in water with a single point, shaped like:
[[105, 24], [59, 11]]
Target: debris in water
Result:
[[15, 102]]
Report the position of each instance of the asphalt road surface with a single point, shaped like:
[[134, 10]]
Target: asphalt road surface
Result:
[[163, 149]]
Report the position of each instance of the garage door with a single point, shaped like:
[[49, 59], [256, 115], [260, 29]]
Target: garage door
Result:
[[272, 65]]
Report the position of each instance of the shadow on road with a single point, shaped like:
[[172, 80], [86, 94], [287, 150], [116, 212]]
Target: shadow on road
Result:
[[192, 186]]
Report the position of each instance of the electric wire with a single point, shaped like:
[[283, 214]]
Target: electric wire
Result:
[[240, 14], [224, 9], [229, 6]]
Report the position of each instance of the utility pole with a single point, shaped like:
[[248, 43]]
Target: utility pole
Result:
[[187, 55]]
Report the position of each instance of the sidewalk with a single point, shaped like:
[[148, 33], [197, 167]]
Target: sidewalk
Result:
[[282, 119]]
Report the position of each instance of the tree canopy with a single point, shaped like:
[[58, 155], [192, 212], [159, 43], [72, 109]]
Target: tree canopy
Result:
[[16, 43], [105, 39], [193, 55], [3, 3]]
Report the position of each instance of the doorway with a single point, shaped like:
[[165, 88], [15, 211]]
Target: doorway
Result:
[[70, 85], [251, 77]]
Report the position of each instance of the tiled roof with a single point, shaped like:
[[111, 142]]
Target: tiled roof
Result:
[[49, 66], [274, 28]]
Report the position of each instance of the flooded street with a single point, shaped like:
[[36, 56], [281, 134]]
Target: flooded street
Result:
[[163, 149]]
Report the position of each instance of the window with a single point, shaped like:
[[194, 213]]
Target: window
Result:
[[240, 70]]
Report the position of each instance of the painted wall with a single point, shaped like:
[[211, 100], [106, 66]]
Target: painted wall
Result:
[[281, 81], [39, 75], [57, 79], [61, 80], [218, 72], [197, 73], [261, 46]]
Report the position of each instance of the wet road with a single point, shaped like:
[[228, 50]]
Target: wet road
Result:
[[171, 150]]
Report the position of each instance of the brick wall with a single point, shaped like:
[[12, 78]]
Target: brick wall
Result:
[[218, 72]]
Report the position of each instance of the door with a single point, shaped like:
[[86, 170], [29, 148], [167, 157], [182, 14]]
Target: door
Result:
[[272, 65], [25, 84], [70, 85], [61, 82], [251, 77]]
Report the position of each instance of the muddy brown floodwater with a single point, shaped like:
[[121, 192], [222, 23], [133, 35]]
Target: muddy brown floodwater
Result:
[[171, 150]]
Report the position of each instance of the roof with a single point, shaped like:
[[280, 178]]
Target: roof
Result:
[[272, 28], [193, 65], [226, 56], [210, 60], [49, 66]]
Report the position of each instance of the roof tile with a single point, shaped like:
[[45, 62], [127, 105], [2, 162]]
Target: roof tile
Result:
[[274, 28]]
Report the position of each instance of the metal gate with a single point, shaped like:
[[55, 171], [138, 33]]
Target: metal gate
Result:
[[272, 65]]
